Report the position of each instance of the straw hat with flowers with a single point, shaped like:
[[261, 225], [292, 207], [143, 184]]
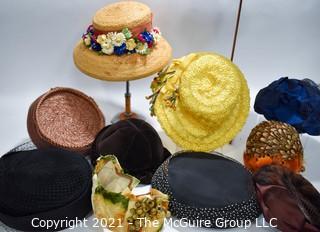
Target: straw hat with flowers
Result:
[[122, 44], [201, 100]]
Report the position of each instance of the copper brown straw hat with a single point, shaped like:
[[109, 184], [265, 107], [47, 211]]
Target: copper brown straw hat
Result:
[[64, 118], [121, 44]]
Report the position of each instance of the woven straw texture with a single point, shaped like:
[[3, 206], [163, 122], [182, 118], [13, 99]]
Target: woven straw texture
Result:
[[116, 16], [213, 102], [122, 68], [64, 118]]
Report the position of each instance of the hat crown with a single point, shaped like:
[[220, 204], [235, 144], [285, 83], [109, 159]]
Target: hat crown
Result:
[[213, 94], [135, 143], [120, 15], [65, 118], [205, 188], [41, 180], [127, 139], [201, 101]]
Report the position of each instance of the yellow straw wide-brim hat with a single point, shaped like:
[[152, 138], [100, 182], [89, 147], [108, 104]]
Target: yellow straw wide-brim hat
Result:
[[114, 18], [201, 101]]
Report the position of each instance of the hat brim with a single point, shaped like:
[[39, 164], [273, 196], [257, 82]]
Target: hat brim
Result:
[[239, 205], [73, 211], [76, 210], [190, 134], [122, 68]]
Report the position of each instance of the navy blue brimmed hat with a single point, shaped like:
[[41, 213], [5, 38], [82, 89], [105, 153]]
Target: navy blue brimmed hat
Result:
[[43, 184]]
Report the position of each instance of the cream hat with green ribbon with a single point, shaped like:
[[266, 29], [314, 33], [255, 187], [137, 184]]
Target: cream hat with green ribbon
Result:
[[201, 101]]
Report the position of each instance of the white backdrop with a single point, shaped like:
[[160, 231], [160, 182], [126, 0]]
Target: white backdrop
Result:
[[276, 38]]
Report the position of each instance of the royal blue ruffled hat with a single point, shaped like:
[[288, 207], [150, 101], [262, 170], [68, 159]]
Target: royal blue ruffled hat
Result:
[[296, 102]]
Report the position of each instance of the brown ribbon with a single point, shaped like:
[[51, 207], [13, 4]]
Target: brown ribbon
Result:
[[135, 30]]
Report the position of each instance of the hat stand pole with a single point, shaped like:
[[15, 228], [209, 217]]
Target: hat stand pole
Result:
[[127, 96], [235, 35], [127, 113]]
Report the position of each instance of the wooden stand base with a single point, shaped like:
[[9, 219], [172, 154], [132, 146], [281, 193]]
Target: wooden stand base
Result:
[[127, 114], [124, 116]]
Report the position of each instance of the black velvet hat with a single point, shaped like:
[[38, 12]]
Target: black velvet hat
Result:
[[43, 184], [204, 187], [135, 143]]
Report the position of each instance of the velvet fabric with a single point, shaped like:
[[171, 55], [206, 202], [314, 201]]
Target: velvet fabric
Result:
[[49, 184], [135, 143], [289, 198], [296, 102]]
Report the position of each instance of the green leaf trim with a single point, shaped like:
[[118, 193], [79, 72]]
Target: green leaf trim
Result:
[[156, 86], [114, 198]]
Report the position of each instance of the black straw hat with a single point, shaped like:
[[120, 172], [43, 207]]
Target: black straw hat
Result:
[[44, 184], [204, 187], [135, 143]]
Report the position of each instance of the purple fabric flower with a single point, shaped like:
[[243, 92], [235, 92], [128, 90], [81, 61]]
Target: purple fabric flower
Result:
[[90, 29], [95, 45], [296, 102]]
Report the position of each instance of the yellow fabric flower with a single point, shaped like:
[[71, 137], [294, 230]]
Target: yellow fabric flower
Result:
[[142, 48], [87, 40], [131, 44]]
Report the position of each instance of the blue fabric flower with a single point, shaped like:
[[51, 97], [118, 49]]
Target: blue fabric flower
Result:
[[95, 46], [120, 50], [147, 37], [296, 102]]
